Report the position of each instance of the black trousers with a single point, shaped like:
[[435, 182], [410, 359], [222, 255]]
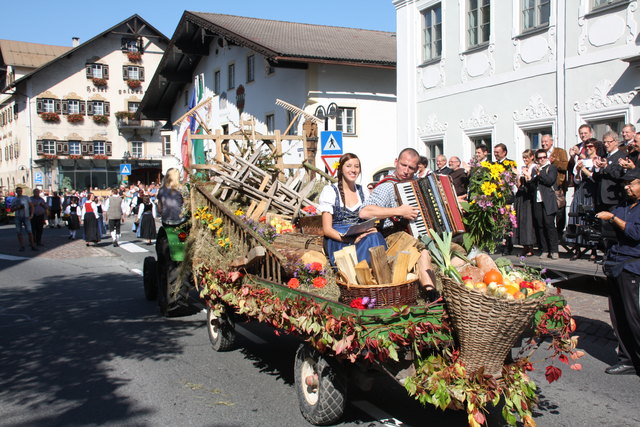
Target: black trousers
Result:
[[114, 224], [561, 220], [37, 224], [624, 308], [545, 228]]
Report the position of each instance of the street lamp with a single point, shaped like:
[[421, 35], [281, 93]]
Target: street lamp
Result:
[[331, 112]]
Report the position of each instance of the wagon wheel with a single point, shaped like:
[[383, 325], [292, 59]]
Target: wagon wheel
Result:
[[172, 292], [320, 386], [221, 330], [150, 278]]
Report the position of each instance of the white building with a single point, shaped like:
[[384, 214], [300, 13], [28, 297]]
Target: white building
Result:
[[472, 71], [68, 121], [221, 56]]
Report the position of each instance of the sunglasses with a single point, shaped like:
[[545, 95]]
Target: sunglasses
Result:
[[589, 146], [541, 157]]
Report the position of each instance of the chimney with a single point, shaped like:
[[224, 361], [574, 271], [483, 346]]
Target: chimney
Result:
[[75, 41]]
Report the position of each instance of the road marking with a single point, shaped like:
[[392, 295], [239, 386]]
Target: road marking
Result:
[[12, 258], [250, 335], [377, 413], [138, 272], [131, 247]]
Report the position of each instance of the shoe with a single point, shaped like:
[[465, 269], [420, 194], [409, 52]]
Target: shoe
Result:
[[620, 369], [554, 255], [21, 249], [543, 256], [115, 244]]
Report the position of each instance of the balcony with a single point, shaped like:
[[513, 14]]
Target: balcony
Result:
[[133, 124]]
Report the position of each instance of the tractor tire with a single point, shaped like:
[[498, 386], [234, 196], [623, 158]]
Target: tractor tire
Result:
[[221, 330], [150, 278], [173, 293], [320, 385]]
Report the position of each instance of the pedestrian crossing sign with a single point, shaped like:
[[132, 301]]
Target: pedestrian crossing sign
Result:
[[331, 143], [125, 169]]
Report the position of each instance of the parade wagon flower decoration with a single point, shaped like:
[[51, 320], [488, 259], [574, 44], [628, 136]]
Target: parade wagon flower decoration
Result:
[[308, 276], [489, 215], [213, 223]]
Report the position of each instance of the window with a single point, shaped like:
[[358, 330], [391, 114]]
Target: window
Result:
[[602, 126], [270, 121], [98, 147], [166, 145], [432, 32], [596, 4], [98, 108], [251, 71], [346, 121], [269, 68], [534, 137], [434, 149], [216, 82], [231, 77], [483, 140], [132, 72], [48, 146], [132, 107], [73, 106], [74, 148], [292, 122], [131, 45], [136, 149], [97, 71], [478, 22], [535, 13], [48, 106]]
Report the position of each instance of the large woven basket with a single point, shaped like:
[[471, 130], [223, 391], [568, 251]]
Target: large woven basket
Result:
[[404, 293], [487, 327], [311, 225]]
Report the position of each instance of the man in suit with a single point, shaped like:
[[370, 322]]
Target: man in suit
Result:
[[441, 165], [500, 156], [500, 153], [608, 174], [559, 158], [628, 133], [545, 206]]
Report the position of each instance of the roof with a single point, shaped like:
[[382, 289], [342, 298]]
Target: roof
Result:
[[136, 19], [30, 55], [293, 39], [284, 44]]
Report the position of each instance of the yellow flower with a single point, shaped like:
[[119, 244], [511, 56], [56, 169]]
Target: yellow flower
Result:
[[211, 226], [217, 222], [488, 188], [336, 165], [239, 212], [485, 164]]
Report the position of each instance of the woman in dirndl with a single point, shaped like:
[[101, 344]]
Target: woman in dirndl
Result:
[[147, 219], [72, 212], [90, 219], [340, 205]]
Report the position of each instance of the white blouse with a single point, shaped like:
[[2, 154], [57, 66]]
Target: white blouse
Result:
[[328, 198]]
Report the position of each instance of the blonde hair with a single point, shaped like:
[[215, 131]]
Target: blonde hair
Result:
[[172, 179]]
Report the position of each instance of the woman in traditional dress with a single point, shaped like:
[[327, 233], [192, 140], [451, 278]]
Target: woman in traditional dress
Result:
[[72, 212], [525, 233], [146, 219], [340, 204], [90, 219]]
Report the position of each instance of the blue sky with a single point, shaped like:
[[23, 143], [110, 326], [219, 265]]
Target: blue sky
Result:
[[56, 22]]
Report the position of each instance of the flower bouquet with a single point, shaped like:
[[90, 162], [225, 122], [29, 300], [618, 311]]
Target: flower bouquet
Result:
[[308, 276], [489, 216]]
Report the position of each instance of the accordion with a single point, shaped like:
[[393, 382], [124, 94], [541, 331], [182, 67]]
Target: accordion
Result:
[[435, 197]]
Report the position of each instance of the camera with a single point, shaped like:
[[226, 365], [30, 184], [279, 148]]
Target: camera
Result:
[[592, 230]]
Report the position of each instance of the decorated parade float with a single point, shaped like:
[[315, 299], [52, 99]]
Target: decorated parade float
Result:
[[251, 246]]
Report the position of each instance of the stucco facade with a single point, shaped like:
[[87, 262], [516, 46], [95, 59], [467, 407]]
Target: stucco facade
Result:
[[71, 117], [517, 74]]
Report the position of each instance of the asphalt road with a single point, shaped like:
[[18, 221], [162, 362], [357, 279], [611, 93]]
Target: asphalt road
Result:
[[79, 345]]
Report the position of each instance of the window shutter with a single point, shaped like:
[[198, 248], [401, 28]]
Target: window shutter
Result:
[[83, 107], [90, 147], [106, 108], [125, 72], [89, 108], [65, 148], [65, 106], [89, 71], [39, 147], [107, 148], [59, 149], [39, 105], [141, 73], [105, 72], [57, 106], [84, 148]]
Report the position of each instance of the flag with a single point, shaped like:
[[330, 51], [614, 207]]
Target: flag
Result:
[[188, 123]]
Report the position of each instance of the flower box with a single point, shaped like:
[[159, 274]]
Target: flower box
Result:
[[134, 84], [134, 56], [99, 82], [75, 156], [100, 157], [101, 119], [124, 115], [50, 117], [49, 156], [75, 118]]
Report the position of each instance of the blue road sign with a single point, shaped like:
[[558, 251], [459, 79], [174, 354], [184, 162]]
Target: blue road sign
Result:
[[330, 143], [38, 178], [125, 169]]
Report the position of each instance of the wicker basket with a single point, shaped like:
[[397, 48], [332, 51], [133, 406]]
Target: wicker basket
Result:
[[311, 225], [404, 293], [487, 327]]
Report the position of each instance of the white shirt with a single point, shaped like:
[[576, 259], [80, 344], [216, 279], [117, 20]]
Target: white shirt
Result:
[[328, 197]]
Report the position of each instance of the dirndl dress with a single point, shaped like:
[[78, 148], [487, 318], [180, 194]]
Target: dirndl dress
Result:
[[147, 227], [344, 218], [74, 221]]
